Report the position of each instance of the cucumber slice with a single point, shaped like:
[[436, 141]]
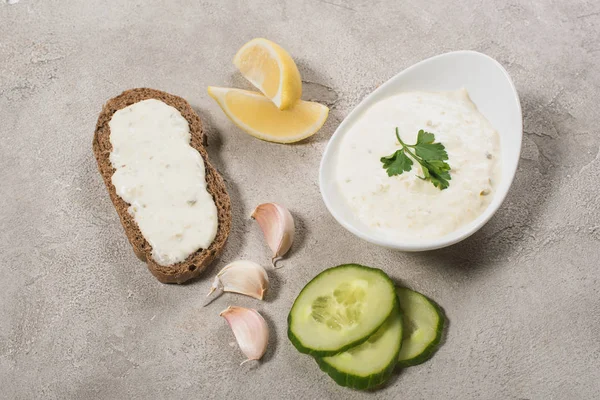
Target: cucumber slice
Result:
[[423, 326], [340, 308], [371, 363]]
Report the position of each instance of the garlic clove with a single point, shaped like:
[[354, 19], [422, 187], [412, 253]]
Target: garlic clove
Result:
[[278, 228], [250, 330], [242, 276]]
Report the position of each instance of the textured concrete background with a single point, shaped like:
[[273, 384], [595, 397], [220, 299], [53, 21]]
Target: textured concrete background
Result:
[[81, 317]]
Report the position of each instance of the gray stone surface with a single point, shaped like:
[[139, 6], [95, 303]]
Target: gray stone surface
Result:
[[81, 317]]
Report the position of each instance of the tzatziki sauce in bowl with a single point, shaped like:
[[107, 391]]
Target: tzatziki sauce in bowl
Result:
[[426, 159]]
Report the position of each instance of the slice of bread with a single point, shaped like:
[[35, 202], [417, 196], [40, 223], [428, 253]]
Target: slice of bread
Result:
[[195, 263]]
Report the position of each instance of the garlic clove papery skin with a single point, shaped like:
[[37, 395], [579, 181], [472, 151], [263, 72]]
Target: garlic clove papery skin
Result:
[[250, 330], [278, 227], [243, 277]]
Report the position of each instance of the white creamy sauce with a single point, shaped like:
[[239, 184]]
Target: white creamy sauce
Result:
[[405, 206], [162, 177]]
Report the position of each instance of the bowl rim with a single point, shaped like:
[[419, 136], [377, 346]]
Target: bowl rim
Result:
[[450, 238]]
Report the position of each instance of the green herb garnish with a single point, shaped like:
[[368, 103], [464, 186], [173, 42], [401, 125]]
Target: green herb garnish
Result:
[[430, 155]]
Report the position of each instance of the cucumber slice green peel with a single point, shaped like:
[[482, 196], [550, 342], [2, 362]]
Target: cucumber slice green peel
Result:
[[340, 309], [423, 323], [371, 363]]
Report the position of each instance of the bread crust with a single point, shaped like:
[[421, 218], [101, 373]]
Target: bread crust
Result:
[[197, 262]]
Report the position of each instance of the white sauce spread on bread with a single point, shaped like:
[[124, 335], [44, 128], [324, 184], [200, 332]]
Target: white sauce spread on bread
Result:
[[162, 177], [405, 206]]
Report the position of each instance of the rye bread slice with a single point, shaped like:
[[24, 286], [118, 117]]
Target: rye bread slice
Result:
[[195, 263]]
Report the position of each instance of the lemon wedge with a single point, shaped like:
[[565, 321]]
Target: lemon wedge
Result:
[[271, 69], [257, 115]]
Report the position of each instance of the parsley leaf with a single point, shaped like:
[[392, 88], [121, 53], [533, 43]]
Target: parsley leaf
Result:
[[397, 163], [438, 172], [429, 154], [427, 149]]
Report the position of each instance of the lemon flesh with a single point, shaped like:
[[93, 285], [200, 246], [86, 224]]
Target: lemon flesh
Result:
[[258, 116], [271, 70]]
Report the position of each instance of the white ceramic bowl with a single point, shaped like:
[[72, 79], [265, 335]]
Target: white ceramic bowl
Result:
[[494, 93]]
